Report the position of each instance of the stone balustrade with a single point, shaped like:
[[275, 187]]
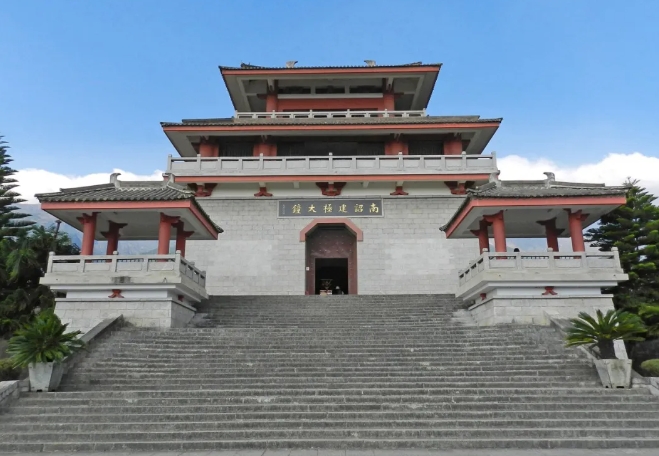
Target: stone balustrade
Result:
[[327, 114], [133, 266], [542, 263], [332, 165]]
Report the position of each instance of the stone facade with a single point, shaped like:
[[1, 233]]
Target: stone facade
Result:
[[402, 252], [536, 309], [83, 315]]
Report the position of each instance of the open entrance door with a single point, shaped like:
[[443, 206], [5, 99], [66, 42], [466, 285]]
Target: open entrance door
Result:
[[331, 254], [332, 274]]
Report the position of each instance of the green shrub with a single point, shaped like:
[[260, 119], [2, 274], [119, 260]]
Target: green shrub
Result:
[[651, 366], [43, 340], [603, 329], [8, 371]]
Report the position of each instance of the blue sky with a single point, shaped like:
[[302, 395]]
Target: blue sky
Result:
[[84, 84]]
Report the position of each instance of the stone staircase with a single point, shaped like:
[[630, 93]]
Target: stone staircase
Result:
[[356, 372]]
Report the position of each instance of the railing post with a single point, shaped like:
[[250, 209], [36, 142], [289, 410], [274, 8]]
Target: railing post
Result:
[[169, 163], [518, 260], [464, 160], [486, 258], [401, 165], [177, 261], [113, 261], [494, 159], [551, 258], [348, 115], [386, 113], [330, 163], [49, 268], [199, 162], [616, 258]]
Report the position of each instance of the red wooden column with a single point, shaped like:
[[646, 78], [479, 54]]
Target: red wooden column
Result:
[[271, 101], [208, 148], [551, 232], [453, 146], [575, 220], [181, 236], [483, 236], [112, 235], [88, 232], [498, 231], [164, 232]]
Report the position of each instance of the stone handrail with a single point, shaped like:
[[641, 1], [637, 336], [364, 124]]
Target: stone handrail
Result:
[[125, 265], [326, 114], [542, 262], [339, 165]]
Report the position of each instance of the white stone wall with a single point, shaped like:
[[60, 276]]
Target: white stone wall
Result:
[[535, 309], [83, 315], [403, 252]]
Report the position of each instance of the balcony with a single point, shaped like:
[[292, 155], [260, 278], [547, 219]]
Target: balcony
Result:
[[544, 265], [346, 114], [332, 165], [532, 287], [123, 270]]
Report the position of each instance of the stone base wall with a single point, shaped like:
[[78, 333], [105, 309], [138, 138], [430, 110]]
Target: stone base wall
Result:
[[403, 252], [535, 309], [84, 314]]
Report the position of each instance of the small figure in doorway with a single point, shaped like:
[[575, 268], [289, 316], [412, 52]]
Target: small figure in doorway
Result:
[[338, 290]]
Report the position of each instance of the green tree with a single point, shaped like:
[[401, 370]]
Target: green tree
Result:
[[12, 223], [23, 261], [634, 229]]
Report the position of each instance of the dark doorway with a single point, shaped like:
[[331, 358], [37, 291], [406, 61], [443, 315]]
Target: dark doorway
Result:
[[331, 254], [333, 271]]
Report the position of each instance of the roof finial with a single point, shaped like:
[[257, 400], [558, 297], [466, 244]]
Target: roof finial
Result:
[[370, 63], [551, 178], [291, 63], [494, 177], [114, 179]]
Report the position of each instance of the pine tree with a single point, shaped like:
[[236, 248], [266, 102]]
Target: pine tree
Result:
[[634, 230], [12, 223]]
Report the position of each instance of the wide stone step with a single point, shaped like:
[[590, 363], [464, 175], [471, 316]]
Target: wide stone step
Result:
[[351, 424], [328, 433], [355, 443], [596, 414], [294, 407]]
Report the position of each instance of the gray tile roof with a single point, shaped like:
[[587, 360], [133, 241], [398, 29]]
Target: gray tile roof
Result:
[[548, 188], [230, 121], [125, 191], [247, 67]]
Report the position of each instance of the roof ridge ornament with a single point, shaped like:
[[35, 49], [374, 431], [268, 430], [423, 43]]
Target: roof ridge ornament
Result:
[[551, 178], [494, 177], [169, 179], [114, 179], [370, 63], [291, 63]]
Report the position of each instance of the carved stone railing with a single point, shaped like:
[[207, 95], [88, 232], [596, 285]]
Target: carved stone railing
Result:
[[588, 263], [329, 165], [327, 114], [133, 266]]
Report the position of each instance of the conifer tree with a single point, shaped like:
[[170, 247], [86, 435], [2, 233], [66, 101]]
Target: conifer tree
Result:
[[12, 223], [634, 230]]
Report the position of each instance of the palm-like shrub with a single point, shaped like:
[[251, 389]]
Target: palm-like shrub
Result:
[[43, 340], [603, 329]]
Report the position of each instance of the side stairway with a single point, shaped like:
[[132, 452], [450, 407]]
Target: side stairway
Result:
[[357, 372]]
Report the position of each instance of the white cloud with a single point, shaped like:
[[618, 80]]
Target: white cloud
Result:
[[613, 169], [32, 181]]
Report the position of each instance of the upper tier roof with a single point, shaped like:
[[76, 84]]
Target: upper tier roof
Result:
[[231, 121], [249, 84]]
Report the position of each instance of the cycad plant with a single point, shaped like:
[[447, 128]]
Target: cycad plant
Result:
[[603, 329], [43, 340]]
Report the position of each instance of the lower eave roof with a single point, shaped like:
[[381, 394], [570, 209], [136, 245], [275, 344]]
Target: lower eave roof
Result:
[[126, 191]]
